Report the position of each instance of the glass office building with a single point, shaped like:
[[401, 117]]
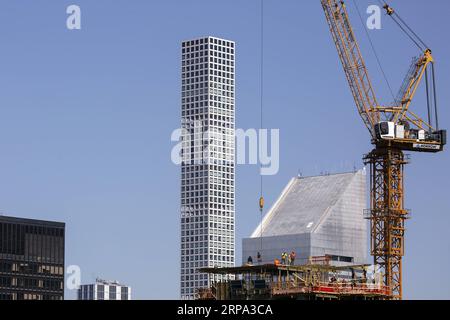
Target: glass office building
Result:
[[31, 259]]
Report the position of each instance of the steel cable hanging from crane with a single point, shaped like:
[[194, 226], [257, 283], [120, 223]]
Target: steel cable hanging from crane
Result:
[[261, 199], [404, 26], [375, 52], [414, 37]]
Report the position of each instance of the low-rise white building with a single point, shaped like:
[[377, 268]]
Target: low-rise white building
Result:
[[104, 290]]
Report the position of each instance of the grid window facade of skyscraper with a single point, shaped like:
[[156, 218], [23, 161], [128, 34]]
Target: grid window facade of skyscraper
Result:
[[208, 167]]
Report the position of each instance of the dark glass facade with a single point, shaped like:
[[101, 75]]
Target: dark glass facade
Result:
[[31, 259]]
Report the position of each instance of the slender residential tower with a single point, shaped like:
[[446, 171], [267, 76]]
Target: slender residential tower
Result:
[[208, 166]]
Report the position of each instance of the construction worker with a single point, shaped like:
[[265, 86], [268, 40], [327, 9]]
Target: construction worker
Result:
[[283, 258], [353, 281], [365, 274], [259, 258], [292, 258]]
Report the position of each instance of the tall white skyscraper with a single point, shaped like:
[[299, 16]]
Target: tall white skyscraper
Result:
[[208, 168]]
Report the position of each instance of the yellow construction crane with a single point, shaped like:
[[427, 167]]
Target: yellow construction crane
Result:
[[394, 128]]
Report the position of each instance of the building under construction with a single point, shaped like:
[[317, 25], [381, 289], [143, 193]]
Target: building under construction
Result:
[[321, 219], [316, 280]]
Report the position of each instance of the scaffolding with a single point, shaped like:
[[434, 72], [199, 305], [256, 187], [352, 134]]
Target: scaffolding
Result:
[[312, 281]]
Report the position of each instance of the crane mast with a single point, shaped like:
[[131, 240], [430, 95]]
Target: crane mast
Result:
[[393, 129]]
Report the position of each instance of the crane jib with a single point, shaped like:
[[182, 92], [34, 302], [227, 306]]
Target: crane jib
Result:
[[352, 62], [408, 124]]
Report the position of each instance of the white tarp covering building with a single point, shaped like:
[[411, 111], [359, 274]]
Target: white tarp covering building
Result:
[[315, 216]]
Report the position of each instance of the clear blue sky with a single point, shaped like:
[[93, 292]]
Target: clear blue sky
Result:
[[86, 118]]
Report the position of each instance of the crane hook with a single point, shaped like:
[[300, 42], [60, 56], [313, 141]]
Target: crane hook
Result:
[[261, 203]]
